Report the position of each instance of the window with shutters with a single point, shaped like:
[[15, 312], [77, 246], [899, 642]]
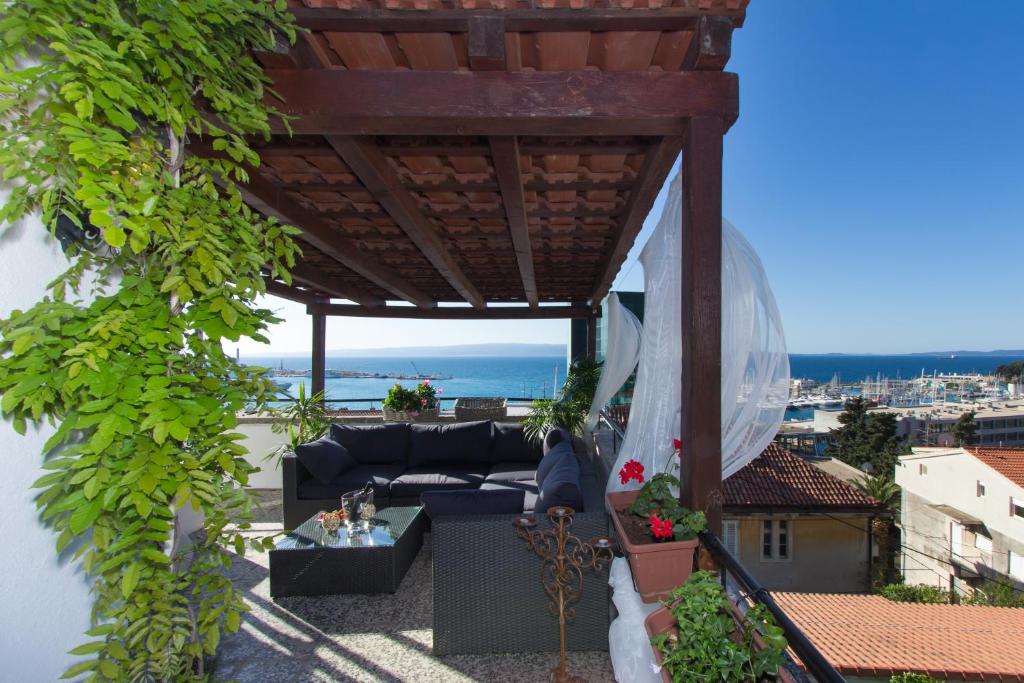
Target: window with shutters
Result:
[[1016, 565], [731, 537]]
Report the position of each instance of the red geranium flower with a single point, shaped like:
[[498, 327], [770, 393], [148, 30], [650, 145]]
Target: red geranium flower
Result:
[[677, 444], [660, 528], [632, 470]]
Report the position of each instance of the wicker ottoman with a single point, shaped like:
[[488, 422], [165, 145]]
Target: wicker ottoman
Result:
[[371, 558]]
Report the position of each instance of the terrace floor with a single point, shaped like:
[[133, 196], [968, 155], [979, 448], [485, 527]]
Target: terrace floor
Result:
[[375, 638]]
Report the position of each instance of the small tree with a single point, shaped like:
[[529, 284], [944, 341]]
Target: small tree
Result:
[[965, 430], [867, 440], [887, 493]]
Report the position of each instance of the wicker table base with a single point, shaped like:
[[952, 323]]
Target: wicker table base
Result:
[[370, 558]]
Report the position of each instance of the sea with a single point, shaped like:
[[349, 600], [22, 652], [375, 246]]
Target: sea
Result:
[[536, 377]]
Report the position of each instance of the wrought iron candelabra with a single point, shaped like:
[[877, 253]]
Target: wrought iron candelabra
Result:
[[564, 557]]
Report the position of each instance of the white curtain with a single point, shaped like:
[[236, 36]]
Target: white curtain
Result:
[[755, 367], [622, 351]]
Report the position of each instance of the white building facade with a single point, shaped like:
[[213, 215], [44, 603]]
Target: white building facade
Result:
[[962, 517]]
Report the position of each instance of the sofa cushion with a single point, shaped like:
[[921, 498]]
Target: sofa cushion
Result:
[[445, 444], [510, 443], [324, 458], [555, 436], [561, 486], [528, 488], [513, 471], [472, 502], [559, 452], [350, 480], [383, 444], [416, 480]]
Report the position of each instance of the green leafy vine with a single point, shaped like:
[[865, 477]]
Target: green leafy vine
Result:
[[98, 99]]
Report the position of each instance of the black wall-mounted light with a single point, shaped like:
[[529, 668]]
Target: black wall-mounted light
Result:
[[68, 234]]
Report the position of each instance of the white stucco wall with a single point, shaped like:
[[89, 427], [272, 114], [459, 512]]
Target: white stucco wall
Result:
[[261, 440], [45, 599]]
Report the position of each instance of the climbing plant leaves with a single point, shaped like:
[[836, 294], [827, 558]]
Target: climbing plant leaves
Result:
[[98, 99]]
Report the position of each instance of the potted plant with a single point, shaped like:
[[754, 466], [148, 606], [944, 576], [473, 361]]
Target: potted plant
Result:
[[700, 636], [658, 534], [304, 420], [570, 409], [412, 405]]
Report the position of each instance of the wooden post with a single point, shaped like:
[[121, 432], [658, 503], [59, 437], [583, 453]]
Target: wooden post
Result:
[[592, 338], [701, 329], [319, 373]]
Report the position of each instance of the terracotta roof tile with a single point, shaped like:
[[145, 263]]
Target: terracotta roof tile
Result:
[[1008, 462], [779, 479], [868, 635]]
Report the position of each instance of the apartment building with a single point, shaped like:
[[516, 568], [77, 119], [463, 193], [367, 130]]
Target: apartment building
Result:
[[962, 516]]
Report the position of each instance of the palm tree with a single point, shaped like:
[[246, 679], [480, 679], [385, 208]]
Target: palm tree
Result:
[[887, 493]]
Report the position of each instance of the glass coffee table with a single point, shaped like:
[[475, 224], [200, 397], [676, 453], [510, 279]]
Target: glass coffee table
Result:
[[371, 556]]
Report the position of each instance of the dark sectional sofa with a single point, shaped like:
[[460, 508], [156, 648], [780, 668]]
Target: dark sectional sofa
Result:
[[405, 461], [472, 478]]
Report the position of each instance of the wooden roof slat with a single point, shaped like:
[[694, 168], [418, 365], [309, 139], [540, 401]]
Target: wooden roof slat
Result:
[[516, 20], [486, 43], [657, 164], [348, 102], [455, 150], [457, 313], [269, 200], [382, 181], [279, 289], [505, 156], [310, 277], [711, 46]]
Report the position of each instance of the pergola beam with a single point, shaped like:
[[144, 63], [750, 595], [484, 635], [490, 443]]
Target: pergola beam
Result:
[[283, 291], [526, 20], [270, 201], [382, 181], [310, 277], [457, 313], [657, 164], [351, 102], [455, 150], [505, 156], [455, 186]]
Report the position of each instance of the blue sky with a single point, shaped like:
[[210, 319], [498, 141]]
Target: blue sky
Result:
[[877, 167]]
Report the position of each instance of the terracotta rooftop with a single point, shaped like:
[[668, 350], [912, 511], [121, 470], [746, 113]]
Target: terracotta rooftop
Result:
[[868, 635], [778, 479], [1008, 462]]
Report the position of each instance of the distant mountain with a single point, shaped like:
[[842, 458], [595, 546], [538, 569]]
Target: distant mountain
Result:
[[997, 352], [461, 350]]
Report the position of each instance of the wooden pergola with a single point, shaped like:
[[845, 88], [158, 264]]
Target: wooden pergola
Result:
[[504, 152]]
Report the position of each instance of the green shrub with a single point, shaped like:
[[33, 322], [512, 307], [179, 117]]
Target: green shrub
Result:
[[910, 677], [899, 592]]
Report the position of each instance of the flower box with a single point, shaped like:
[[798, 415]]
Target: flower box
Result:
[[657, 567], [662, 621]]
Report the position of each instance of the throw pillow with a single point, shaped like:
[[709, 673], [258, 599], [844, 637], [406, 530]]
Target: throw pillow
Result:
[[324, 458], [555, 436], [551, 458], [561, 486], [472, 502]]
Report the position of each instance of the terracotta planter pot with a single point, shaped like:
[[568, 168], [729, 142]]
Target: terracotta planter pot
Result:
[[657, 567], [426, 415], [662, 621]]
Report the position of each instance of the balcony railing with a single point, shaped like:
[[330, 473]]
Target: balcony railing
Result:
[[736, 577], [744, 587]]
